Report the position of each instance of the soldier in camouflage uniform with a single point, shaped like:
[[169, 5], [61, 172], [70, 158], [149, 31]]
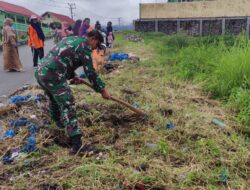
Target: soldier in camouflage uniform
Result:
[[59, 66]]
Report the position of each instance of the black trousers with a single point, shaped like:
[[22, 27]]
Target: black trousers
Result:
[[39, 52]]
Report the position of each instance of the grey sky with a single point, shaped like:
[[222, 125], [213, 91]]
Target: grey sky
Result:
[[103, 10]]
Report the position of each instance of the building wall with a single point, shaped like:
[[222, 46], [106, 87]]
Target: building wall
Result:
[[199, 9], [195, 27], [20, 24], [49, 18]]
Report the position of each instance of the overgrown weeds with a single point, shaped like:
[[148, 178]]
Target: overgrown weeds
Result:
[[221, 64]]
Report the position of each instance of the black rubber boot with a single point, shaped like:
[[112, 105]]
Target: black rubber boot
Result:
[[77, 147], [76, 143]]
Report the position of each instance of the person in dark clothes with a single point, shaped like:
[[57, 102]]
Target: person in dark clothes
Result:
[[98, 25], [108, 30], [76, 27]]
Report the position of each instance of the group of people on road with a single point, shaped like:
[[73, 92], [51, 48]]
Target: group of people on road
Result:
[[74, 49], [36, 39]]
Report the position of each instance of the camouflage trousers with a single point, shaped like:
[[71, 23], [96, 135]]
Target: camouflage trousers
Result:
[[62, 103]]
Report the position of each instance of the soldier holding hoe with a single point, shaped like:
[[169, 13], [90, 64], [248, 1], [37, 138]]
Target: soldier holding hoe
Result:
[[56, 68]]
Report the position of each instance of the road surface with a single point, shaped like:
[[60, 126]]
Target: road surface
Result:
[[9, 82]]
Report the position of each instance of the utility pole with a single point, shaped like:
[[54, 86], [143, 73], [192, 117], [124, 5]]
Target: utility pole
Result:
[[72, 7], [119, 21]]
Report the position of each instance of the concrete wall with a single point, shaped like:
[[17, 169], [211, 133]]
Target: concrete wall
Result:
[[195, 27], [200, 9]]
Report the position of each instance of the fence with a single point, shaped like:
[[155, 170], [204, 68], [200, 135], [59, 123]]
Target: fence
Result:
[[195, 27]]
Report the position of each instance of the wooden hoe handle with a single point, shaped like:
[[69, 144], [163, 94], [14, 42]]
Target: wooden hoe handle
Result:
[[140, 112]]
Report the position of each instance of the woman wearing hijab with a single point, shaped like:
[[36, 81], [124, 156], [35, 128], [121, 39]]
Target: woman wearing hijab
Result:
[[11, 61], [36, 39], [76, 27], [85, 28]]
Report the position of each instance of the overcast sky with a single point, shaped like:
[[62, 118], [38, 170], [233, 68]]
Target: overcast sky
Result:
[[103, 10]]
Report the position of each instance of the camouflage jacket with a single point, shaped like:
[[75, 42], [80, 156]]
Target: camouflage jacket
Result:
[[68, 55]]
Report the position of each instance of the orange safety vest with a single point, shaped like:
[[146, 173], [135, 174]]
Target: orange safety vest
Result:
[[98, 59], [34, 39]]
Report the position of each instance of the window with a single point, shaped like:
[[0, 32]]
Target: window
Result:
[[10, 16], [44, 25], [20, 19]]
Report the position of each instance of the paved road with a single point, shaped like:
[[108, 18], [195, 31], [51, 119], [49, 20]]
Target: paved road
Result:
[[9, 82]]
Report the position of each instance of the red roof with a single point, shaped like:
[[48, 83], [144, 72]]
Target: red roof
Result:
[[60, 17], [11, 8]]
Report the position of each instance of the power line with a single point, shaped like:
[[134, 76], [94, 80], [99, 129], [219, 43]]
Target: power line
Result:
[[65, 3], [48, 5]]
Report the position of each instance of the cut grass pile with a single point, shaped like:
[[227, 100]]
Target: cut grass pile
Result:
[[195, 154]]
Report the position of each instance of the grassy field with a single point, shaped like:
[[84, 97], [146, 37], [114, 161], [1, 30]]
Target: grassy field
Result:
[[180, 80]]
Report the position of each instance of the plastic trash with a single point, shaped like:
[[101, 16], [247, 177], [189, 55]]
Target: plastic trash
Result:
[[118, 56], [33, 129], [150, 145], [33, 117], [35, 98], [170, 126], [219, 123], [82, 75], [16, 124], [31, 141], [30, 146], [133, 58], [19, 122], [9, 134], [118, 187], [18, 99], [224, 177], [135, 105], [10, 156], [134, 38]]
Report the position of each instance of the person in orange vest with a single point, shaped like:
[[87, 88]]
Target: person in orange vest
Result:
[[98, 54], [36, 39]]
